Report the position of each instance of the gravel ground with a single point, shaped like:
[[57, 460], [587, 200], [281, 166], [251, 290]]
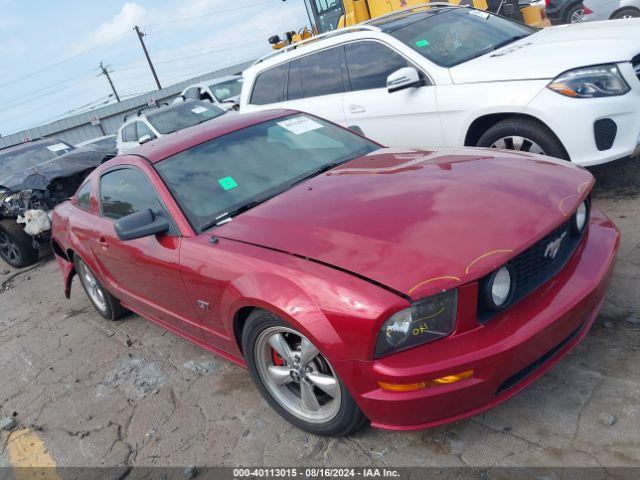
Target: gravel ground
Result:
[[86, 392]]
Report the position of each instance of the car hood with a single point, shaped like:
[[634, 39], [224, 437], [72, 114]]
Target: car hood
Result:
[[554, 50], [40, 176], [418, 222]]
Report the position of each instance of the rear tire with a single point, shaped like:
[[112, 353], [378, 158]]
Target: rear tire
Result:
[[16, 246], [574, 14], [626, 13], [331, 414], [106, 304], [523, 134]]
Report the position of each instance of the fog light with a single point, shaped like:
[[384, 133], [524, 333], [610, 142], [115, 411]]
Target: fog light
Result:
[[410, 387], [497, 289]]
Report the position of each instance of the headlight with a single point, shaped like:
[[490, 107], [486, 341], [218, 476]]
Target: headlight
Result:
[[591, 82], [3, 194], [580, 217], [426, 320], [496, 290]]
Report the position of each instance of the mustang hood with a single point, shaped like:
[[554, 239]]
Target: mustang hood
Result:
[[418, 222], [552, 51], [40, 176]]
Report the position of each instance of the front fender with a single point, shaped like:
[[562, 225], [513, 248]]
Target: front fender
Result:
[[290, 302]]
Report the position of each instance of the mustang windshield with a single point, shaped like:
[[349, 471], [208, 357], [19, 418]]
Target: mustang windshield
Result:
[[456, 36], [218, 179], [182, 115]]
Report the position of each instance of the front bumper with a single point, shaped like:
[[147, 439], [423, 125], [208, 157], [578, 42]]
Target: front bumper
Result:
[[573, 121], [506, 354]]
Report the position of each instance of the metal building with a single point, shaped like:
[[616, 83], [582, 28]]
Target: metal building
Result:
[[77, 128]]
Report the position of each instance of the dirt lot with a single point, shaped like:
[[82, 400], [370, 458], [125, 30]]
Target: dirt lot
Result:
[[86, 392]]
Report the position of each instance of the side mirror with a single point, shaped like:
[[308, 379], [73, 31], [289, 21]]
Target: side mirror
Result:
[[141, 224], [144, 139], [407, 77]]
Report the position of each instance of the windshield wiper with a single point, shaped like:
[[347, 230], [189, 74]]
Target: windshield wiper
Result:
[[493, 48], [228, 216]]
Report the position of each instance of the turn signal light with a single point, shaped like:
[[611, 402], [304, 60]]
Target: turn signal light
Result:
[[410, 387]]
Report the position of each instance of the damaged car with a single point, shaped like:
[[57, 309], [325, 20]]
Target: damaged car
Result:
[[357, 283], [34, 178]]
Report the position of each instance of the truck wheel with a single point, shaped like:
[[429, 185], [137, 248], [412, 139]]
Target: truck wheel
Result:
[[106, 304], [626, 13], [574, 14], [525, 135], [16, 247], [296, 379]]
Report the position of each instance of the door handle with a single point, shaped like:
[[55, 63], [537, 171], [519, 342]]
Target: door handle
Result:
[[357, 109]]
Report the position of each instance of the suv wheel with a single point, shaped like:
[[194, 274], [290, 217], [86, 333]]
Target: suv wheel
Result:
[[525, 135], [575, 14], [16, 247], [626, 13], [296, 379]]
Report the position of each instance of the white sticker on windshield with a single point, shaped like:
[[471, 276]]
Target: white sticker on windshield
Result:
[[479, 13], [299, 125], [57, 147], [199, 109]]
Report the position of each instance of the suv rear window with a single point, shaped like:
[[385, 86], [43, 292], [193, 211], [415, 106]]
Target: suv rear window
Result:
[[321, 73], [269, 86]]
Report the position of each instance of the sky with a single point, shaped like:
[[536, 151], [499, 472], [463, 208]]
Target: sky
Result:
[[50, 50]]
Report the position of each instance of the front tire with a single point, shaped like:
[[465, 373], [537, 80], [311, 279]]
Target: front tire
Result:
[[106, 304], [626, 13], [525, 135], [296, 379], [16, 246]]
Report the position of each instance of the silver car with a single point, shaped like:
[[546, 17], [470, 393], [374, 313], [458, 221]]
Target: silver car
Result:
[[595, 10]]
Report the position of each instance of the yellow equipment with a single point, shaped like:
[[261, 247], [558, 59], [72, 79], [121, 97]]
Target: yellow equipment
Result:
[[327, 15]]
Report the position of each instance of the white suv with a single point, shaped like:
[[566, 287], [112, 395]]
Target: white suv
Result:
[[147, 124], [223, 92], [458, 76]]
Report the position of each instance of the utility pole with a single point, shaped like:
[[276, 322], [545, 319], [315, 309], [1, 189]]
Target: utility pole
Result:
[[144, 47], [105, 72]]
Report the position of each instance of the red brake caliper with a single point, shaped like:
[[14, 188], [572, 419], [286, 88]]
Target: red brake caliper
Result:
[[278, 361]]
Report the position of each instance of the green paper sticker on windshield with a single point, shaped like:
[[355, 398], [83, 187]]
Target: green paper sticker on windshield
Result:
[[227, 183], [422, 43]]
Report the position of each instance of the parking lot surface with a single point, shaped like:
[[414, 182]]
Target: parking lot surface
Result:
[[87, 392]]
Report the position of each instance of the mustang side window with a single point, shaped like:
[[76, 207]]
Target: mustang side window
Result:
[[84, 197], [370, 63], [126, 191]]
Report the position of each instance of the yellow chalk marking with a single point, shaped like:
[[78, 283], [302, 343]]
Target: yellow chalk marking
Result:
[[446, 277], [580, 190], [561, 203], [493, 252], [29, 458]]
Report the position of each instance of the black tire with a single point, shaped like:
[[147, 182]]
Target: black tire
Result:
[[348, 419], [571, 11], [529, 129], [16, 246], [626, 13], [111, 309]]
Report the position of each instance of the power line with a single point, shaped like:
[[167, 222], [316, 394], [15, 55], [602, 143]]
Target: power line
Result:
[[206, 14], [64, 60]]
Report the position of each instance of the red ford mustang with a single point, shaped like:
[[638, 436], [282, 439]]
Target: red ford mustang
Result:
[[406, 288]]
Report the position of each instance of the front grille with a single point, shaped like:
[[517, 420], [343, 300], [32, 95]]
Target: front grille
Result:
[[636, 65], [534, 266]]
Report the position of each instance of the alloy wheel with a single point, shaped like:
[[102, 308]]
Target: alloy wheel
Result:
[[9, 249], [577, 16], [296, 375], [521, 144], [93, 288]]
